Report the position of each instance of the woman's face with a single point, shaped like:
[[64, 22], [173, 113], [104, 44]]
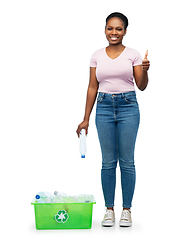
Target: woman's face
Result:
[[115, 31]]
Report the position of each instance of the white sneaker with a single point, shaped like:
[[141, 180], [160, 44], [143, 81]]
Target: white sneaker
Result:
[[126, 219], [109, 218]]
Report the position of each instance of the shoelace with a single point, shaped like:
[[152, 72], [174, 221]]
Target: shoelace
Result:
[[125, 215], [108, 215]]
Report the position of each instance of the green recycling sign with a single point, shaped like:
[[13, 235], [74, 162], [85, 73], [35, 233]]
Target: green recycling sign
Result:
[[61, 216]]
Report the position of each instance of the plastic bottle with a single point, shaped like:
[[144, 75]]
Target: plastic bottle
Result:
[[82, 147], [43, 197], [84, 198], [38, 199], [58, 197]]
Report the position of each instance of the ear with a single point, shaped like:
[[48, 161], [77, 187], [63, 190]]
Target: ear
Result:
[[125, 32]]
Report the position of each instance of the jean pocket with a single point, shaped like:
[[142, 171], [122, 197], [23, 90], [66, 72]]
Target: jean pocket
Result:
[[100, 97], [131, 98]]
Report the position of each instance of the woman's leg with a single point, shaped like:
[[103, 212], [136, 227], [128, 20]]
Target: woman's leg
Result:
[[106, 128], [127, 128], [107, 139]]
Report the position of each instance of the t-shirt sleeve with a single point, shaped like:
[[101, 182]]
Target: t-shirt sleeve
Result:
[[137, 60], [93, 61]]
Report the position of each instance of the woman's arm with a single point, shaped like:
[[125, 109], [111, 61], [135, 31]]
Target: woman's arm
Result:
[[140, 73], [90, 100]]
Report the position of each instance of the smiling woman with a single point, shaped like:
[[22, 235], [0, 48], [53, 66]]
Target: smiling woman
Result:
[[115, 29], [113, 70]]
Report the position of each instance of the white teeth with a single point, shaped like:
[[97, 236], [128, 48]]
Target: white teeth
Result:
[[113, 38]]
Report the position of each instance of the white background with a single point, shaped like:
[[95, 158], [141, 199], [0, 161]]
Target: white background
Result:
[[45, 49]]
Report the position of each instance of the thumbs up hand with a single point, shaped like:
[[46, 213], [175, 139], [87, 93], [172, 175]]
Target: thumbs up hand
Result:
[[145, 62]]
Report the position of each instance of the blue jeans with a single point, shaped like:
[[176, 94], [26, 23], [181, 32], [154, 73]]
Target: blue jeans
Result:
[[117, 122]]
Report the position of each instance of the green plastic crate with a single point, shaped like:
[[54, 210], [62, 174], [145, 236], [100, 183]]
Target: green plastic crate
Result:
[[63, 215]]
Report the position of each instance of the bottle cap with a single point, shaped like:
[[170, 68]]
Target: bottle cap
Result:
[[82, 156], [37, 197]]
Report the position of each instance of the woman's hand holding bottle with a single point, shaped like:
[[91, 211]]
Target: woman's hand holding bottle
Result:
[[83, 125]]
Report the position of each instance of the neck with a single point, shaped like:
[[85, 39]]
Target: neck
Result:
[[117, 47]]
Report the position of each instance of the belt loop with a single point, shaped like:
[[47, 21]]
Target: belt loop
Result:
[[122, 95]]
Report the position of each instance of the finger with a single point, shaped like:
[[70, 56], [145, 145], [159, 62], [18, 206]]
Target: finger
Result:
[[78, 131], [146, 54], [146, 64], [145, 68], [86, 131]]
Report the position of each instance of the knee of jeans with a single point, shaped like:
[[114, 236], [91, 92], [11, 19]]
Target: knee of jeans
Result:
[[106, 165], [127, 165]]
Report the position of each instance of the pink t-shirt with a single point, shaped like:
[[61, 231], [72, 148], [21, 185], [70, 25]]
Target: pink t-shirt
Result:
[[115, 75]]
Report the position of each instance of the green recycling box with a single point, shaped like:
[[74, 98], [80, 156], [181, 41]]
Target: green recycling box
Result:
[[63, 215]]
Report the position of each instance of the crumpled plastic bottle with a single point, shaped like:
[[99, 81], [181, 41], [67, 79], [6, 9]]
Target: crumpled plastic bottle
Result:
[[58, 197], [84, 198], [43, 197], [82, 146]]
